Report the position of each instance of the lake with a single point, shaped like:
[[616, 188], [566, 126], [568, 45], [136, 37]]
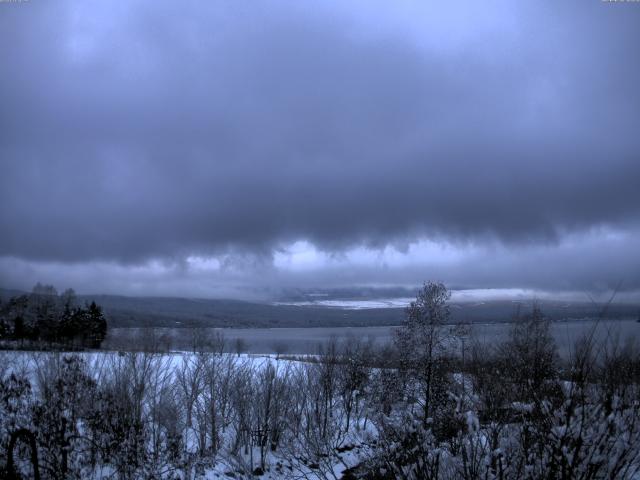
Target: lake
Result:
[[307, 340]]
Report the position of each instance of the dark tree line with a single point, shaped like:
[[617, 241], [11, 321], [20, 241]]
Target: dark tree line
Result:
[[44, 316]]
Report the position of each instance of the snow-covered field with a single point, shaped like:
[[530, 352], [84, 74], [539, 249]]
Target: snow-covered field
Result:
[[187, 376], [179, 414]]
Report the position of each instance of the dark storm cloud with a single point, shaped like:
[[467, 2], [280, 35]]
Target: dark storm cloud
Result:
[[580, 264], [162, 129]]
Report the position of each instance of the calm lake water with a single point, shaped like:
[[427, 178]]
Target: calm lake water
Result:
[[307, 340]]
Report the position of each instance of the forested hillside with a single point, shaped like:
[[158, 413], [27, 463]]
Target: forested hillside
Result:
[[125, 311]]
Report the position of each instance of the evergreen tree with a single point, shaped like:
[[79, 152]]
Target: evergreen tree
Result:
[[43, 315], [97, 325]]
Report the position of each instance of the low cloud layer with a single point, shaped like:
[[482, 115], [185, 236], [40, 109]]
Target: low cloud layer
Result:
[[153, 132]]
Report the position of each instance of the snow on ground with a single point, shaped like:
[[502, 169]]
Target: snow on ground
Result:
[[225, 465], [354, 304]]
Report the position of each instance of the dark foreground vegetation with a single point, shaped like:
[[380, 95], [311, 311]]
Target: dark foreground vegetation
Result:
[[46, 320], [429, 406]]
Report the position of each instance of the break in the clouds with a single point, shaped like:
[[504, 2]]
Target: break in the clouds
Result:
[[181, 146]]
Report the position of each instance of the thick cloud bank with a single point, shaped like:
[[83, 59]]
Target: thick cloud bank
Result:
[[160, 131]]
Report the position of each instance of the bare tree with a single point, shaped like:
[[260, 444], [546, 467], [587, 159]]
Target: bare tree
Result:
[[279, 348], [531, 355], [240, 346], [423, 345], [353, 376], [189, 377]]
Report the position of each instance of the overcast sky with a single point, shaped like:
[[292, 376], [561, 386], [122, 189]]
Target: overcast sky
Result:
[[201, 148]]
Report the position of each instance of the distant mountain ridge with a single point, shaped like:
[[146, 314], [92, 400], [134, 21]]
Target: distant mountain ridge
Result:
[[124, 311]]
